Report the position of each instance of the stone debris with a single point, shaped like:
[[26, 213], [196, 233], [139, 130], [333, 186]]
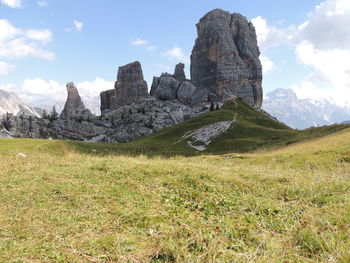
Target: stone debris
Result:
[[202, 137]]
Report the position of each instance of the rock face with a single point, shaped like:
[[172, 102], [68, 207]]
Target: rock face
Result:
[[179, 73], [190, 95], [165, 87], [225, 58], [107, 99], [74, 107], [130, 87], [124, 124], [177, 88]]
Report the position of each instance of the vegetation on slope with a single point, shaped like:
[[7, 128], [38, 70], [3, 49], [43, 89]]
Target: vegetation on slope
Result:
[[253, 130], [66, 203]]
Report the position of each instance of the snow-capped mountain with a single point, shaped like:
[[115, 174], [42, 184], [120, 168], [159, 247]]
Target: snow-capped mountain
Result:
[[92, 103], [11, 103], [303, 113]]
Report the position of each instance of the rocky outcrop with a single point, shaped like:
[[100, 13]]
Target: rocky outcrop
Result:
[[130, 87], [142, 119], [179, 73], [107, 99], [201, 138], [74, 107], [177, 88], [190, 95], [165, 87], [124, 124], [225, 58]]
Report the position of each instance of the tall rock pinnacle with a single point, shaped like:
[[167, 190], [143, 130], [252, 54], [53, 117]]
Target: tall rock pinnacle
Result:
[[130, 87], [225, 58], [74, 107]]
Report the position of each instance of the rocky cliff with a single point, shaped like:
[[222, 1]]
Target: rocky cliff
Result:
[[225, 58], [177, 88], [130, 87]]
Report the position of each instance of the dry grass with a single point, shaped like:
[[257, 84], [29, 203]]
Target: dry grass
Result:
[[288, 205]]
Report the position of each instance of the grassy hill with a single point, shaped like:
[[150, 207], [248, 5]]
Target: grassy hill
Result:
[[253, 130], [76, 202]]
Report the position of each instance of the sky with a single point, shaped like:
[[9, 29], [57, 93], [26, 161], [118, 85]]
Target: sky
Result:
[[305, 45]]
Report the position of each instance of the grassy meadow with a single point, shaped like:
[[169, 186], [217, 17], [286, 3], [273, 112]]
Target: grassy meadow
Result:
[[76, 202]]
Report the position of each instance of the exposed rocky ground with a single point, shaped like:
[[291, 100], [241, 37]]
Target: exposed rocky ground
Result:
[[201, 138], [224, 65]]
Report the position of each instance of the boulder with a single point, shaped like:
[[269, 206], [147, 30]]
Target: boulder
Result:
[[165, 87], [225, 58]]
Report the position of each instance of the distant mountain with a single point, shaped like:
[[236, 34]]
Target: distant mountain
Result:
[[11, 103], [92, 103], [303, 113]]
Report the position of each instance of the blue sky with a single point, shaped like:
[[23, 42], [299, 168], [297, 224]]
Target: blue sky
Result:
[[85, 41]]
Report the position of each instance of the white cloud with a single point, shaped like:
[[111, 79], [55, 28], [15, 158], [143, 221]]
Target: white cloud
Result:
[[7, 30], [9, 87], [139, 42], [12, 3], [151, 48], [40, 92], [270, 36], [43, 3], [19, 43], [94, 88], [20, 48], [267, 64], [78, 25], [327, 26], [322, 42], [44, 36], [6, 68], [177, 53]]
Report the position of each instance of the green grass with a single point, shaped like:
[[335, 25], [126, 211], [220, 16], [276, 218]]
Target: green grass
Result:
[[66, 203], [252, 131]]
